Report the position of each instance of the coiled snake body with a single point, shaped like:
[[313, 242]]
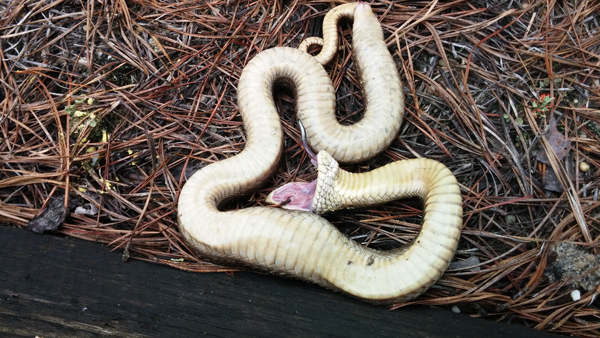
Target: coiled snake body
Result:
[[303, 244]]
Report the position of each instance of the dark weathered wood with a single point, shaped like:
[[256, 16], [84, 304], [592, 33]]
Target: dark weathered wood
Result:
[[63, 287]]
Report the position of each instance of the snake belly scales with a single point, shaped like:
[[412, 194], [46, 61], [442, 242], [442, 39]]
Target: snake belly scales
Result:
[[302, 244]]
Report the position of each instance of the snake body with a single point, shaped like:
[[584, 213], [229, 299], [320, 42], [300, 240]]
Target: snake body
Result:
[[303, 244], [329, 42], [382, 92]]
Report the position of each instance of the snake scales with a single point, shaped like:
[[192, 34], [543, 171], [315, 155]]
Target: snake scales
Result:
[[303, 244]]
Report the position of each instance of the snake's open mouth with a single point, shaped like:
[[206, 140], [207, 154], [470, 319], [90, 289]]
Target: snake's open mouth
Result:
[[294, 196]]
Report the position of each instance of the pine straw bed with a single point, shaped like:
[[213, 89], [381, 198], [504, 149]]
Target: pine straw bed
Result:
[[117, 101]]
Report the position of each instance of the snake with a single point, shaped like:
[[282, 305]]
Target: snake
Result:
[[295, 240]]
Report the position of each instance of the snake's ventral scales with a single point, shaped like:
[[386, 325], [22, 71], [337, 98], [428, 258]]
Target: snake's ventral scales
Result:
[[299, 243]]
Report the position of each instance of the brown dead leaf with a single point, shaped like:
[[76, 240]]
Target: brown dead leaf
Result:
[[559, 143]]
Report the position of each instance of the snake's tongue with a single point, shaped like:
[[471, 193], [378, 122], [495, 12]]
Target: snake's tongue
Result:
[[294, 196]]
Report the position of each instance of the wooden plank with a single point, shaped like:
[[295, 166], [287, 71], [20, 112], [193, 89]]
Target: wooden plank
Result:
[[64, 287]]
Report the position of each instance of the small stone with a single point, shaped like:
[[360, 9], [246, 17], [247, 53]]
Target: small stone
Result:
[[455, 309], [573, 264], [575, 295]]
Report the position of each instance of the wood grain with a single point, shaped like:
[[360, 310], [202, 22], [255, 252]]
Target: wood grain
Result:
[[63, 287]]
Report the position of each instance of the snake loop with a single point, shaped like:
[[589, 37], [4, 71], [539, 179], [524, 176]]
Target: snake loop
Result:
[[303, 244]]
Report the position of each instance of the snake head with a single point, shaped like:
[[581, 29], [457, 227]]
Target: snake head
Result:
[[316, 196], [326, 196]]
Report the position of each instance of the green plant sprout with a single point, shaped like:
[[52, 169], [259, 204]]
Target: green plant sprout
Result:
[[541, 106]]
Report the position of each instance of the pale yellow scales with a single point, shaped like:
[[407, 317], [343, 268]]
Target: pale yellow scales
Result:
[[302, 244]]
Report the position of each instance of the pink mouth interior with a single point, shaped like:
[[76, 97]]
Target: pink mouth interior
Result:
[[294, 196]]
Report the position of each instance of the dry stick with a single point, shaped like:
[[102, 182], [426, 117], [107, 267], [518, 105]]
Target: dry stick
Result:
[[563, 179], [466, 76], [198, 99], [151, 184], [574, 201]]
